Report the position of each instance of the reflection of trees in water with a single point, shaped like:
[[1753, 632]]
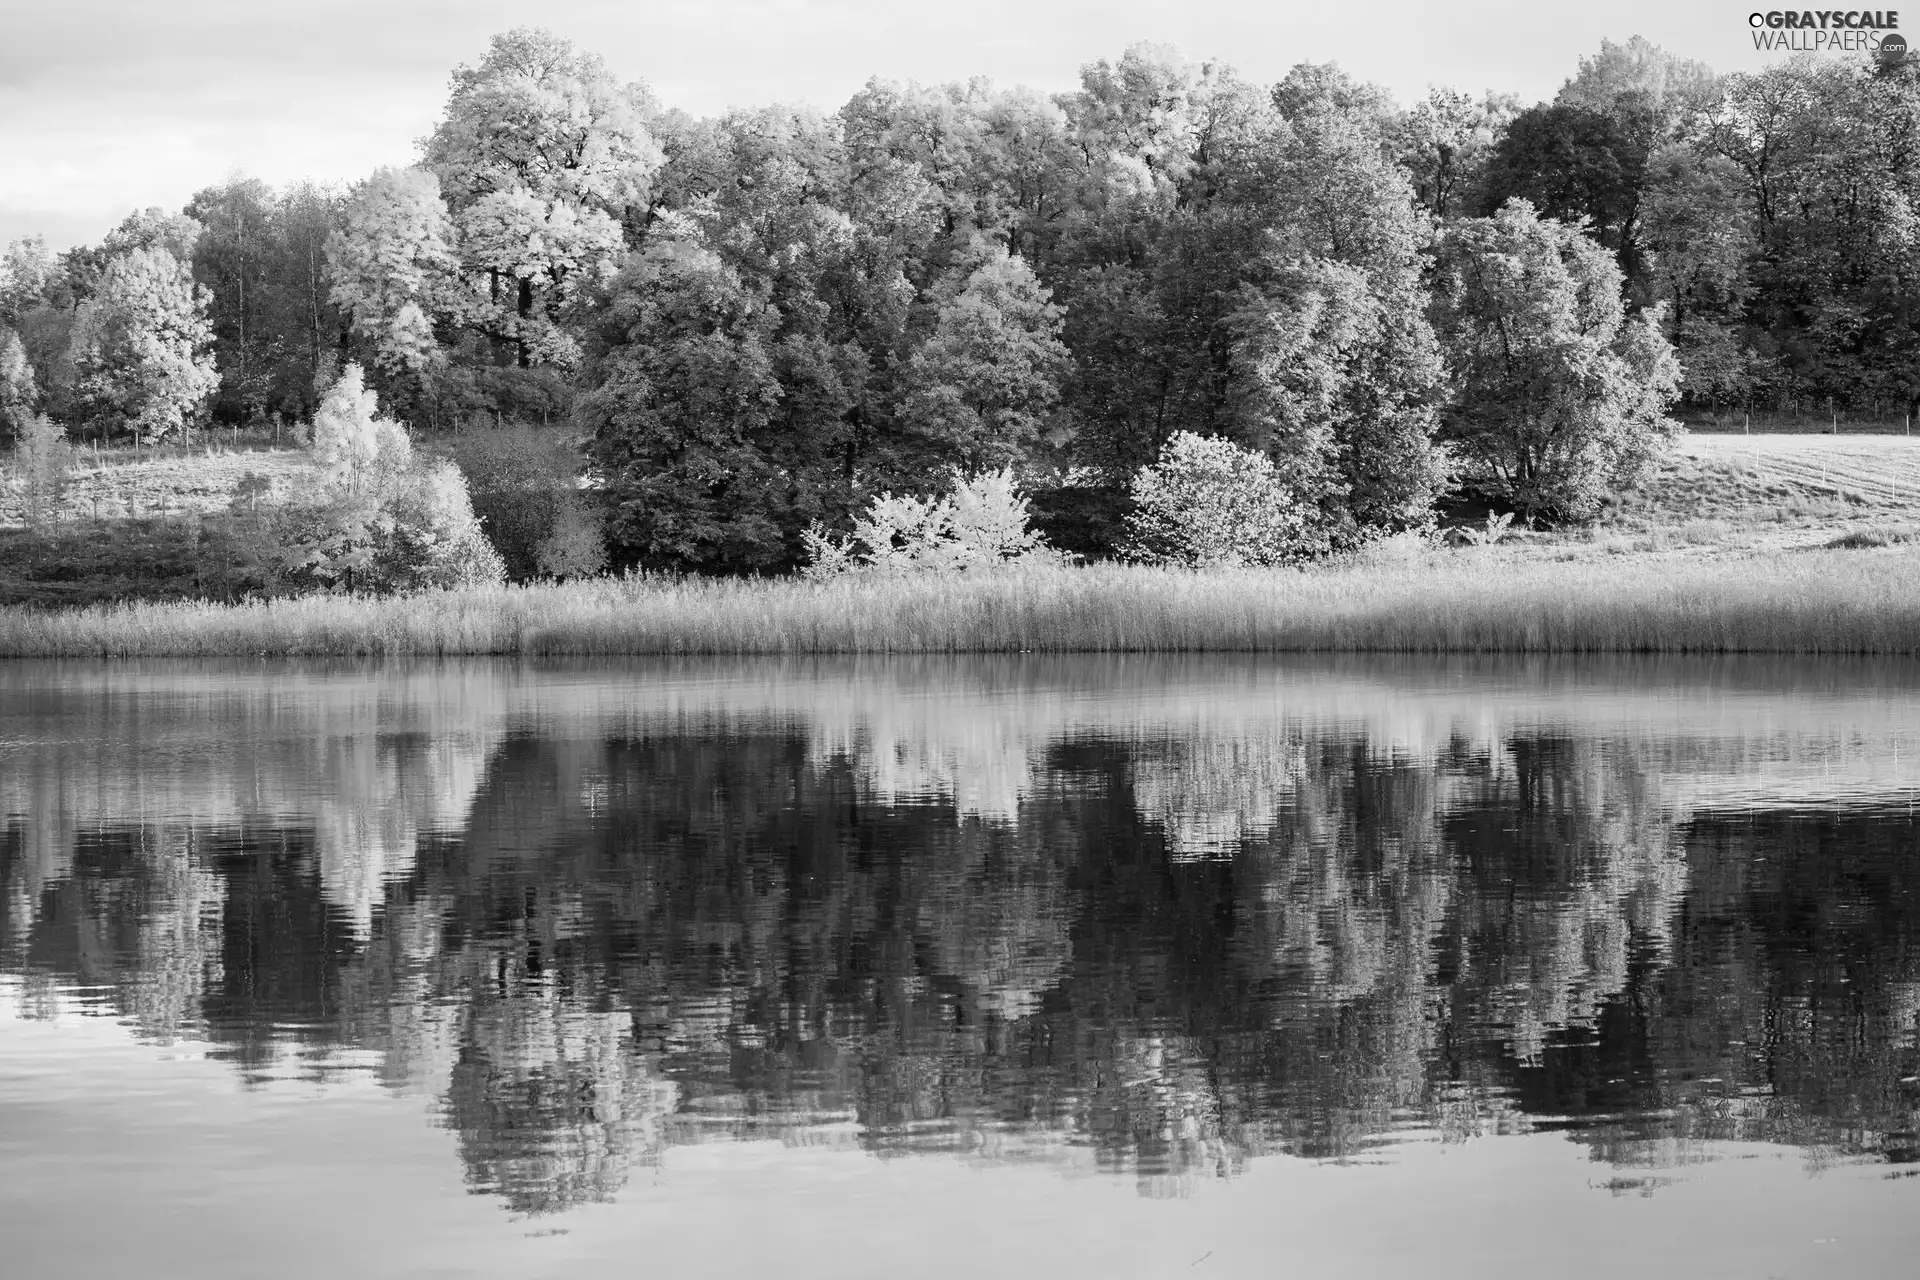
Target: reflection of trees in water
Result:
[[1578, 825], [1157, 953], [550, 1101]]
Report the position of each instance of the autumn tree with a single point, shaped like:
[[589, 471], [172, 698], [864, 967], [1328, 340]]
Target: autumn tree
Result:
[[1557, 393]]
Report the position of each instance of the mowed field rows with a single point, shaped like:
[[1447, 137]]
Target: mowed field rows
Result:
[[1882, 470], [1786, 488]]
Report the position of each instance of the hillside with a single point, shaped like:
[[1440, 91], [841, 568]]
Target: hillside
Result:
[[1768, 491], [125, 484]]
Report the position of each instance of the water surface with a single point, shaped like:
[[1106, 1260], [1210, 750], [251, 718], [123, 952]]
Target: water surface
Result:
[[1052, 967]]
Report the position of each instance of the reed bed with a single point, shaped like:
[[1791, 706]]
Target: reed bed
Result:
[[1811, 602]]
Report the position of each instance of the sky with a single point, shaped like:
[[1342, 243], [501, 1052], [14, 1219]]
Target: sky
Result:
[[111, 105]]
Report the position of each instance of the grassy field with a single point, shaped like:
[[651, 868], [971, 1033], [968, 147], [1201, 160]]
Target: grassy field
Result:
[[1443, 601], [1765, 543], [1770, 491]]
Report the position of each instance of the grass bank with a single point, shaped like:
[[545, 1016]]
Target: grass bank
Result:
[[1802, 602]]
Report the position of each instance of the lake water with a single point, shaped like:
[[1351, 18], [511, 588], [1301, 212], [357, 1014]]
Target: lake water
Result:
[[1000, 966]]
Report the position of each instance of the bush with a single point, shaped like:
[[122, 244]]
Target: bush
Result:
[[981, 523], [525, 489], [1086, 520], [1207, 502]]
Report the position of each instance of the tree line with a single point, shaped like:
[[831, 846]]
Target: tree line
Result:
[[757, 323]]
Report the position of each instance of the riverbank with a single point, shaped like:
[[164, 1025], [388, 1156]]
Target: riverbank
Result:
[[1462, 601]]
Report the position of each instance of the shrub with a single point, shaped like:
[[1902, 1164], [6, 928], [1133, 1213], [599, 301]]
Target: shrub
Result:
[[524, 484], [573, 547], [1208, 502], [981, 523]]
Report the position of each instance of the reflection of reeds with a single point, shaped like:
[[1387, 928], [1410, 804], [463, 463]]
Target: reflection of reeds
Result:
[[1805, 602]]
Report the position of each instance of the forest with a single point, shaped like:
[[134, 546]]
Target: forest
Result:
[[640, 339]]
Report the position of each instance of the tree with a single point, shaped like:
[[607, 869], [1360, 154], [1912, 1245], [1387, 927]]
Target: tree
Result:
[[524, 484], [1340, 202], [262, 259], [1445, 144], [545, 160], [153, 228], [382, 519], [1639, 74], [140, 345], [352, 443], [1573, 163], [42, 457], [26, 271], [391, 265], [1831, 179], [1556, 393], [19, 392], [1698, 230], [981, 387], [683, 418]]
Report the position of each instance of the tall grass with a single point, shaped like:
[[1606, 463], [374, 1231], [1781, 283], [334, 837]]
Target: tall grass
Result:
[[1805, 602]]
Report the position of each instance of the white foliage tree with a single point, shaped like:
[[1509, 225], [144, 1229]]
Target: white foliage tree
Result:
[[982, 523], [543, 157], [392, 266], [142, 345], [19, 390], [351, 441], [383, 519], [1209, 503]]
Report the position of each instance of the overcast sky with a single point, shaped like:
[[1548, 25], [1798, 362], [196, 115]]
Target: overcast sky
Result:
[[108, 105]]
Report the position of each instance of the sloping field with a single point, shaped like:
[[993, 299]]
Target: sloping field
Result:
[[1789, 488], [120, 484], [1876, 470]]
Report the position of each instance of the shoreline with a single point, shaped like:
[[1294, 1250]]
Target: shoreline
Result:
[[1852, 602]]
